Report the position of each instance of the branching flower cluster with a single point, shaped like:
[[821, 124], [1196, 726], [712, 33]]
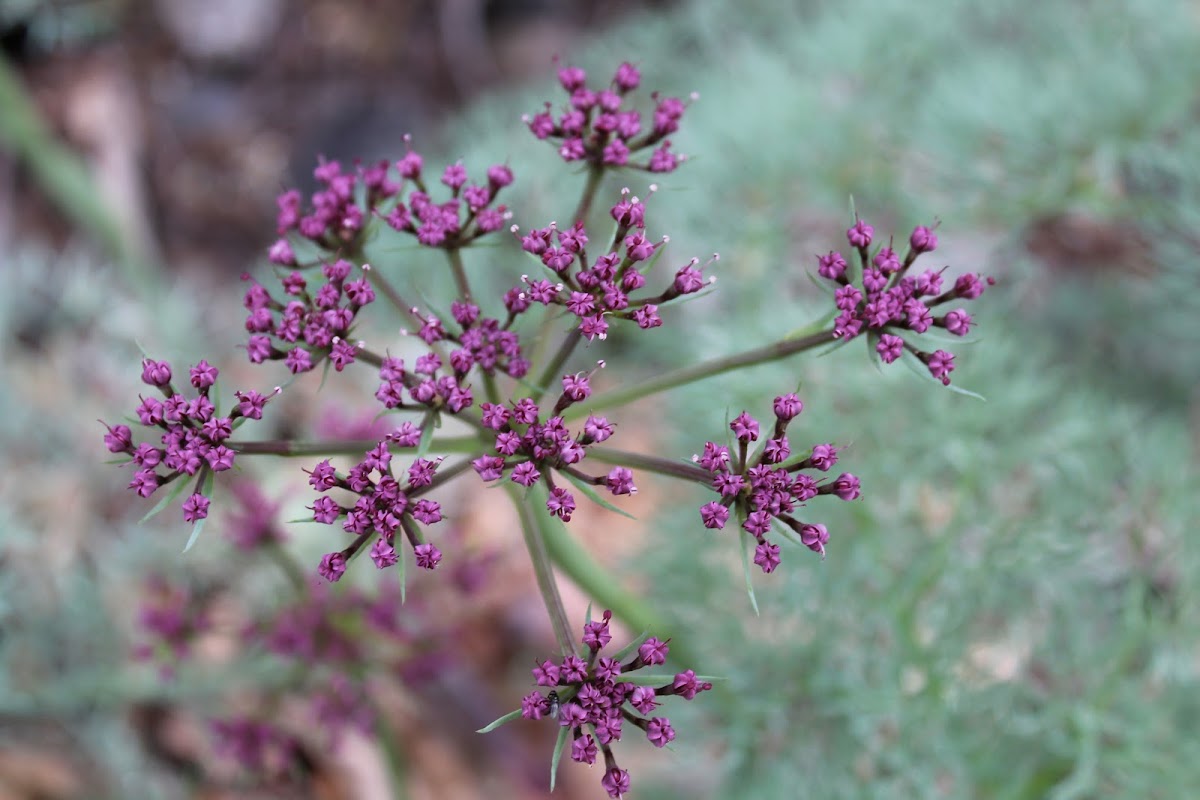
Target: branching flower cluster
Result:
[[536, 429]]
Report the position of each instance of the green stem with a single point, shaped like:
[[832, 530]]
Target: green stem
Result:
[[454, 256], [760, 355], [595, 175], [662, 466], [577, 564], [287, 564], [543, 571], [395, 298], [561, 356], [287, 448]]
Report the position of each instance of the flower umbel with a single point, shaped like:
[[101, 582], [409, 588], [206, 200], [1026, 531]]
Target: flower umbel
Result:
[[590, 696]]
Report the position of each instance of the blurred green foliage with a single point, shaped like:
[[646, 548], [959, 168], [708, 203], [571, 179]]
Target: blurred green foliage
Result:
[[1010, 610]]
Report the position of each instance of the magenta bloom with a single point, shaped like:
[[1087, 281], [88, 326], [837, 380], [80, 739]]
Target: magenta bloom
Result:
[[332, 567], [615, 782], [195, 508]]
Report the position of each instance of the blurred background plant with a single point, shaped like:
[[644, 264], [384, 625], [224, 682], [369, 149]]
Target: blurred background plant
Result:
[[1014, 614]]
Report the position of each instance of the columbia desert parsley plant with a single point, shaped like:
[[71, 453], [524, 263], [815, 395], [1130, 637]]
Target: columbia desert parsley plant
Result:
[[537, 429]]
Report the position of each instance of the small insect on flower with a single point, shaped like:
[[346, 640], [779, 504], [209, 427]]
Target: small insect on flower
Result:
[[555, 705]]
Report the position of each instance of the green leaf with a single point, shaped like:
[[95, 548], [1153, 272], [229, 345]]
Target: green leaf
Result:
[[661, 678], [559, 746], [427, 427], [835, 346], [633, 645], [507, 718], [324, 374], [915, 364], [172, 496], [745, 551], [591, 494]]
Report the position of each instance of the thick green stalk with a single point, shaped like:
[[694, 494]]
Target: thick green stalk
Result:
[[661, 466], [543, 571], [578, 565], [560, 358], [454, 256], [760, 355], [595, 175]]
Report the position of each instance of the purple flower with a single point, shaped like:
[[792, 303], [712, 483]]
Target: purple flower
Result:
[[620, 481], [119, 439], [546, 674], [659, 731], [156, 373], [195, 508], [561, 503], [823, 457], [814, 537], [714, 515], [922, 240], [332, 567], [595, 634], [787, 407], [534, 706], [653, 651], [576, 388], [574, 669], [957, 322], [859, 234], [940, 364], [831, 266], [615, 782], [382, 553], [889, 348], [583, 749], [776, 451], [643, 699], [847, 486], [427, 555], [745, 428], [428, 512]]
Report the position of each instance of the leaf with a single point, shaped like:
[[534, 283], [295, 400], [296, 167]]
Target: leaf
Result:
[[835, 346], [746, 571], [559, 746], [427, 427], [591, 494], [170, 497], [633, 645], [914, 364], [324, 374], [661, 678], [507, 718]]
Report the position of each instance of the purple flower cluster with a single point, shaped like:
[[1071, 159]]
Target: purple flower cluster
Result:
[[383, 505], [192, 434], [469, 213], [889, 301], [481, 342], [770, 484], [528, 448], [308, 326], [596, 128], [339, 211], [587, 691], [598, 289]]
